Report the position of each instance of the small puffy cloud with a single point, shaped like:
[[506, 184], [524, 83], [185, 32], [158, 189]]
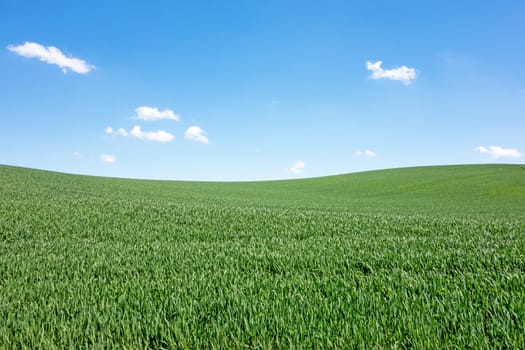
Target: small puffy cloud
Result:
[[137, 132], [365, 153], [498, 152], [403, 73], [195, 133], [159, 136], [108, 158], [153, 113], [121, 132], [51, 55], [296, 168]]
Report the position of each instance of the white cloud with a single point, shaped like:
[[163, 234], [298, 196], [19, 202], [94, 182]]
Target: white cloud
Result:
[[51, 55], [195, 133], [153, 113], [365, 153], [159, 136], [297, 167], [403, 73], [108, 158], [137, 132], [121, 132], [498, 152]]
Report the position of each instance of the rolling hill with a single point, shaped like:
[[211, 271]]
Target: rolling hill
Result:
[[497, 190], [430, 257]]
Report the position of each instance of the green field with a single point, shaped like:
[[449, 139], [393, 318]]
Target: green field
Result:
[[430, 257]]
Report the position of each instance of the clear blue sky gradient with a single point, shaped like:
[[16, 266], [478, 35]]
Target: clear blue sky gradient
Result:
[[271, 82]]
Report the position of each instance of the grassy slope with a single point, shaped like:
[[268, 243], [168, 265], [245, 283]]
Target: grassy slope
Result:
[[460, 190], [425, 257], [493, 190]]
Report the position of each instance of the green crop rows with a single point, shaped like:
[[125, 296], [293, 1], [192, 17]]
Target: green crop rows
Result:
[[422, 257]]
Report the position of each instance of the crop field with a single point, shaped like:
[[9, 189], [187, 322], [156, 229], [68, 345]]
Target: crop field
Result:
[[430, 257]]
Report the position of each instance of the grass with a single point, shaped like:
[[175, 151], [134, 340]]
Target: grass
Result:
[[430, 257]]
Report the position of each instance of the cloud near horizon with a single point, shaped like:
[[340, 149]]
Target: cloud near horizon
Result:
[[51, 55], [365, 153], [498, 151], [195, 133], [153, 113], [403, 73], [108, 158], [297, 168], [137, 132]]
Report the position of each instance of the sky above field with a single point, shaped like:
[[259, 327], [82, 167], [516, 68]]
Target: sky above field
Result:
[[248, 90]]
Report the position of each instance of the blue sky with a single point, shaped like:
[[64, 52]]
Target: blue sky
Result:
[[247, 90]]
